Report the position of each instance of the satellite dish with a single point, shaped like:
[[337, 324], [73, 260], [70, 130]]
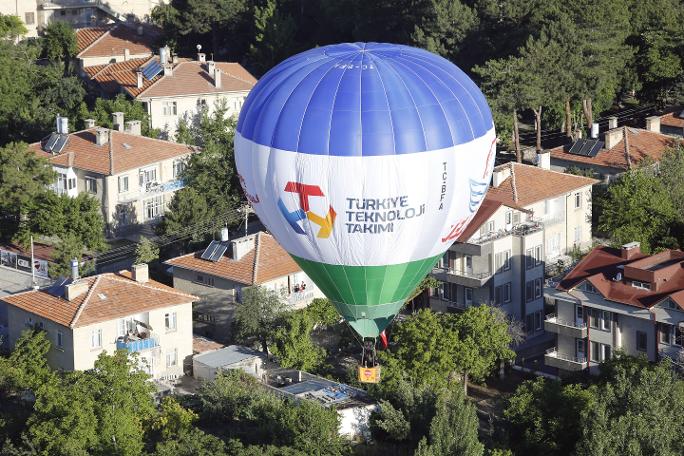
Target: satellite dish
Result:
[[199, 47]]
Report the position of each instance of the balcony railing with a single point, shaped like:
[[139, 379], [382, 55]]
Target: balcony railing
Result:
[[298, 297], [553, 353], [522, 229], [552, 318], [137, 345], [152, 188], [458, 272]]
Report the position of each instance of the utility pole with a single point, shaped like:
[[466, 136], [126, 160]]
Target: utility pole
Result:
[[33, 265], [247, 209]]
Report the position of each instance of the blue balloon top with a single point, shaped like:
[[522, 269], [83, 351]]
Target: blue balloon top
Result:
[[363, 99]]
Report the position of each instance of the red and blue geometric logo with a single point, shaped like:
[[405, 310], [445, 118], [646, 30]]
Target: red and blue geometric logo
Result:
[[304, 211]]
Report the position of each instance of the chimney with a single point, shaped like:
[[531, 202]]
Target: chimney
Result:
[[118, 121], [217, 78], [612, 137], [612, 122], [101, 136], [224, 234], [127, 55], [240, 247], [594, 130], [140, 273], [140, 30], [63, 125], [74, 269], [133, 127], [544, 159], [139, 84], [630, 250], [500, 174], [75, 289], [653, 124], [89, 123], [58, 124], [163, 55], [211, 67], [174, 59], [168, 69], [201, 57]]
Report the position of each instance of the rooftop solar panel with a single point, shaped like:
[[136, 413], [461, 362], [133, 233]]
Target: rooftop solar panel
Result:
[[214, 251], [60, 144], [152, 69], [586, 147]]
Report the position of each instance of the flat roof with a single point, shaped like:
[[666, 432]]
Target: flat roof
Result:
[[226, 356]]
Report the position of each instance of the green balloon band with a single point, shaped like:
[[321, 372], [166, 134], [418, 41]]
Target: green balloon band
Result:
[[368, 297]]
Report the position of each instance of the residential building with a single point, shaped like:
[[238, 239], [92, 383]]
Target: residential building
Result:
[[219, 273], [173, 89], [207, 365], [617, 299], [104, 44], [104, 313], [37, 14], [673, 124], [609, 155], [530, 216], [132, 176]]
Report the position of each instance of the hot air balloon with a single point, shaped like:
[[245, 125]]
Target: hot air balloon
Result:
[[365, 161]]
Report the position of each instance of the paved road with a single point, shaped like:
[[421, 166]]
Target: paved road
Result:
[[13, 281]]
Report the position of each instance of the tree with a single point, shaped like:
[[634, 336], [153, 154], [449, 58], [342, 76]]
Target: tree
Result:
[[443, 27], [173, 420], [256, 316], [323, 312], [104, 108], [638, 207], [11, 27], [146, 251], [60, 44], [194, 442], [453, 430], [671, 173], [28, 360], [293, 345], [483, 338], [274, 38]]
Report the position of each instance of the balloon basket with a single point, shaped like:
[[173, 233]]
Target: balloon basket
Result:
[[369, 374]]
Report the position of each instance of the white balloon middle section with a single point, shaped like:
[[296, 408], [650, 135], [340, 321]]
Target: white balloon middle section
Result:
[[366, 211]]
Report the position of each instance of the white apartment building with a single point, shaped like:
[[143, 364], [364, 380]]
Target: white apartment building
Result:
[[219, 273], [132, 176], [617, 299], [173, 89], [530, 216], [37, 14], [105, 313]]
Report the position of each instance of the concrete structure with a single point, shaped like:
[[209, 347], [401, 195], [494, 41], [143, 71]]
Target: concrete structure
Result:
[[108, 312], [207, 365], [353, 405], [182, 90], [247, 261], [132, 176], [673, 124], [617, 155], [530, 216], [104, 44], [617, 299]]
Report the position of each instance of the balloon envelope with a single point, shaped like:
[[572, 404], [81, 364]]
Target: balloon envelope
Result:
[[365, 161]]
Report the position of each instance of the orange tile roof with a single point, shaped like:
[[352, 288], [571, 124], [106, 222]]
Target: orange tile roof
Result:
[[673, 119], [124, 151], [642, 144], [114, 77], [113, 41], [191, 78], [108, 296], [266, 262], [530, 184], [88, 35]]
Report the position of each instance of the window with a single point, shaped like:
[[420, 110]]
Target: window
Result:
[[29, 18], [579, 314], [516, 218], [469, 262], [170, 321], [64, 183], [509, 217], [600, 352], [529, 291], [678, 338], [503, 261], [490, 226], [589, 287], [468, 296], [538, 254], [205, 280], [201, 103], [91, 185], [580, 348], [449, 291], [641, 341], [507, 292], [533, 257], [170, 108], [125, 326], [605, 320], [153, 207], [60, 339], [578, 234], [178, 168], [96, 338], [642, 285], [533, 322], [148, 176], [538, 320], [578, 200], [595, 352], [538, 288], [593, 317], [670, 334], [123, 184], [172, 358]]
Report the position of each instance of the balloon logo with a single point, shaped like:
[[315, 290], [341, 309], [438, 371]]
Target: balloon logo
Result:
[[365, 161]]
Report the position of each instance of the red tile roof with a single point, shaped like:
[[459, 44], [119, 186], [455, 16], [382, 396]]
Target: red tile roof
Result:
[[673, 119], [123, 152], [603, 266], [107, 297], [112, 42], [191, 78], [642, 144], [115, 77], [267, 261], [529, 184]]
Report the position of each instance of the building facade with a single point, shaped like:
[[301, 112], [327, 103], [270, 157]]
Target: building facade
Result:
[[617, 300], [105, 313]]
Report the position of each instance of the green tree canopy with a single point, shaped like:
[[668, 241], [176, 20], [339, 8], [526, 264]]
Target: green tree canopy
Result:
[[104, 108], [11, 27], [257, 316], [293, 345], [59, 40], [146, 251]]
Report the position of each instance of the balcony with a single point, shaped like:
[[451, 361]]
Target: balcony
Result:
[[556, 325], [135, 344], [151, 189], [466, 278], [565, 362], [520, 230], [299, 298]]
